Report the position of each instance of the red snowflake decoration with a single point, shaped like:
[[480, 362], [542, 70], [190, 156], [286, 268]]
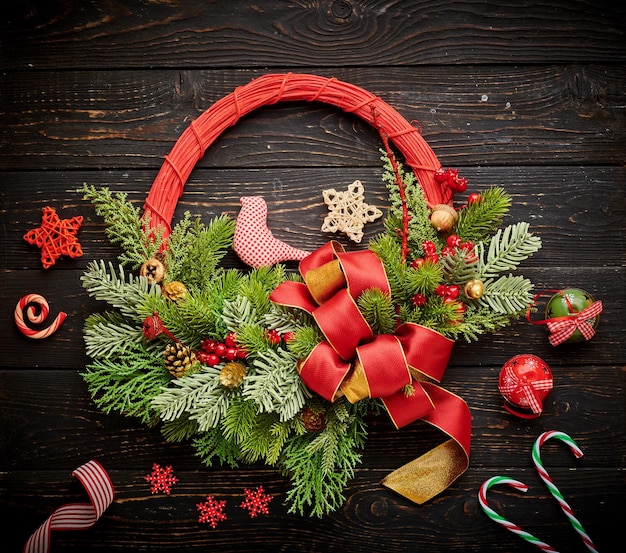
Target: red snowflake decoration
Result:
[[55, 237], [211, 511], [256, 501], [162, 479]]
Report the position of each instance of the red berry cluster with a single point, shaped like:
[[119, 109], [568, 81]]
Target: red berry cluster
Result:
[[214, 352], [274, 337], [455, 243], [450, 177]]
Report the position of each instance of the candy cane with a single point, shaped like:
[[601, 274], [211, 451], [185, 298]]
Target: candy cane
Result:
[[543, 473], [36, 315], [76, 516], [482, 499]]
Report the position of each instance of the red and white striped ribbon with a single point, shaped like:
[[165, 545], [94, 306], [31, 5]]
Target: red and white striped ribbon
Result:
[[562, 328], [76, 516], [512, 383]]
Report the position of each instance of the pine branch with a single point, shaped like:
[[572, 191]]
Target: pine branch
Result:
[[275, 384], [197, 395], [510, 295], [179, 430], [455, 268], [478, 220], [125, 226], [507, 249], [109, 334], [120, 290], [127, 383], [212, 444], [378, 310]]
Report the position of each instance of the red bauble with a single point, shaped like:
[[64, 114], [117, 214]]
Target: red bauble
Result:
[[525, 381]]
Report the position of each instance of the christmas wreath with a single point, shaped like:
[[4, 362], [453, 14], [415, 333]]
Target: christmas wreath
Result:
[[282, 367]]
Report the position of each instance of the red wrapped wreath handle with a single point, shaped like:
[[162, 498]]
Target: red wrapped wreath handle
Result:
[[271, 89]]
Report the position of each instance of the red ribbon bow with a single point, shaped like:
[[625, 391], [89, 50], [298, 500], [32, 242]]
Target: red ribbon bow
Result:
[[512, 383], [563, 327], [354, 362]]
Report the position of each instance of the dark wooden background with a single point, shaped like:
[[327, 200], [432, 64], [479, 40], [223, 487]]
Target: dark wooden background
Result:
[[528, 95]]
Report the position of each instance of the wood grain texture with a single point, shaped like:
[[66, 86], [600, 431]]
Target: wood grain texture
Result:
[[526, 96]]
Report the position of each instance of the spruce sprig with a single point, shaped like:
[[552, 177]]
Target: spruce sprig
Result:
[[478, 220], [507, 249], [127, 383], [125, 226]]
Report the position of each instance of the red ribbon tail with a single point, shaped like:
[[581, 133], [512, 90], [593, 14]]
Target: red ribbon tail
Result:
[[432, 473]]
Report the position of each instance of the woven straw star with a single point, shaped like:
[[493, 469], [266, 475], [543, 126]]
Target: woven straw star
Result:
[[348, 211]]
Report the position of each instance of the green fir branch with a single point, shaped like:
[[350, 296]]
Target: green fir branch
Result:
[[125, 226], [195, 251], [121, 290], [211, 445], [125, 384], [180, 429], [198, 396], [275, 385], [510, 295], [108, 334], [507, 249], [378, 311], [321, 465], [456, 269], [478, 220]]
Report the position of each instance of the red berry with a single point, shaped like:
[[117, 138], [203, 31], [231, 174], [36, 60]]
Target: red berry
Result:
[[417, 263], [231, 354], [220, 349], [447, 250], [418, 300], [454, 241], [212, 359], [441, 290], [242, 353], [208, 345], [433, 258], [467, 246], [460, 184], [429, 247], [273, 336], [441, 175], [474, 198], [289, 336], [231, 340], [453, 291]]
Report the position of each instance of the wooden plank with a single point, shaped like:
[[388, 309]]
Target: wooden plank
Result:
[[130, 119], [329, 34], [575, 210], [51, 421], [373, 518], [65, 349]]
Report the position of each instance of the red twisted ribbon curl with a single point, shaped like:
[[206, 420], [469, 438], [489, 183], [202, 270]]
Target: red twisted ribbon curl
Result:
[[76, 516], [561, 328], [354, 362]]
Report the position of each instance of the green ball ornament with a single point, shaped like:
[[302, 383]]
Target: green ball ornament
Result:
[[568, 302]]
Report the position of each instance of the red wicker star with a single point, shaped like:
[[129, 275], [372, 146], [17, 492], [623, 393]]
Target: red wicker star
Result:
[[55, 237], [256, 501], [162, 479], [211, 511]]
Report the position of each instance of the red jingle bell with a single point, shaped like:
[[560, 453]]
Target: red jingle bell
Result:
[[525, 381]]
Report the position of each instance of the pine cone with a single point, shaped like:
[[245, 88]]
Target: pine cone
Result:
[[180, 360], [313, 422], [232, 374], [174, 290]]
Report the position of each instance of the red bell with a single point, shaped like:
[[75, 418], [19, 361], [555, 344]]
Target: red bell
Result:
[[525, 381]]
